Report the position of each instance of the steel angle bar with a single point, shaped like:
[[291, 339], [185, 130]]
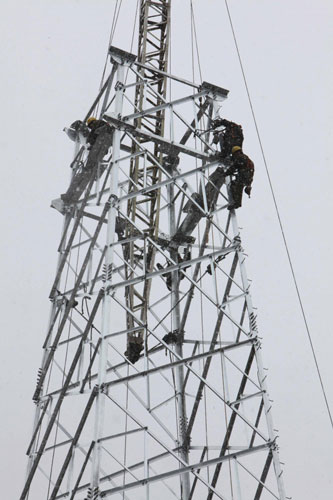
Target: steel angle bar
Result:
[[234, 298], [38, 426], [213, 342], [108, 89], [76, 225], [190, 468], [187, 376], [68, 306], [225, 443], [179, 116], [163, 403], [179, 266], [198, 117], [183, 361], [120, 472], [194, 277], [72, 322], [232, 279], [156, 71], [204, 451], [165, 105], [61, 397], [243, 373], [175, 267], [124, 332], [208, 342], [247, 397], [91, 362], [81, 243], [67, 223], [83, 468], [86, 232], [46, 475], [57, 445], [131, 130], [166, 485], [160, 322], [125, 433], [125, 468], [193, 201], [203, 382], [263, 477], [101, 92], [81, 449], [53, 322], [261, 407], [185, 467]]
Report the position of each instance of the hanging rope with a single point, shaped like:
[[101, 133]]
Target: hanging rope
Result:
[[193, 28], [279, 217], [112, 31]]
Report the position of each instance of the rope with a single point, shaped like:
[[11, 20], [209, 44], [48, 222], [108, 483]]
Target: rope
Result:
[[133, 32], [112, 31], [195, 38], [279, 218]]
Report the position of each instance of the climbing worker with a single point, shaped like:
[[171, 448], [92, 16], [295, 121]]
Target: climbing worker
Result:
[[242, 171], [97, 127], [100, 140], [228, 137]]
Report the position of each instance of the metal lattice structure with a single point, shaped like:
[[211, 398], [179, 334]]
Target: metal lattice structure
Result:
[[151, 263]]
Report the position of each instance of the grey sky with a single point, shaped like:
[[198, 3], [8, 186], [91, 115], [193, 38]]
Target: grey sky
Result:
[[52, 56]]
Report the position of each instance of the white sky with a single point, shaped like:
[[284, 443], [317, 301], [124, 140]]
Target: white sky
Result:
[[52, 55]]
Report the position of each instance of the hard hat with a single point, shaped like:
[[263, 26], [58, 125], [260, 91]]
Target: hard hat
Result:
[[91, 119], [235, 148]]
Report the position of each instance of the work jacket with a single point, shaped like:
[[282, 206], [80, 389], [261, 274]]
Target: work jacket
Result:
[[242, 167], [95, 129]]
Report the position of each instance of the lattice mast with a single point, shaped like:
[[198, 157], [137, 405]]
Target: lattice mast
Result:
[[151, 261]]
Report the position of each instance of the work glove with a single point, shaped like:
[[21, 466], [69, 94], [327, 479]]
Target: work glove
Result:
[[248, 190]]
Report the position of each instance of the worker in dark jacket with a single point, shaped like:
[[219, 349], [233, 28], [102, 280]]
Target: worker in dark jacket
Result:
[[228, 137], [242, 171], [97, 127], [100, 140]]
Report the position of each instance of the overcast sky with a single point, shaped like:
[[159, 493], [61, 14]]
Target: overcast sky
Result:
[[52, 55]]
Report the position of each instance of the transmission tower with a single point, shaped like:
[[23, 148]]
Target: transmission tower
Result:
[[151, 383]]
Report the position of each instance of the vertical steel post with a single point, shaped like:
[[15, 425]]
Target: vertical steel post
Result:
[[106, 304], [179, 370]]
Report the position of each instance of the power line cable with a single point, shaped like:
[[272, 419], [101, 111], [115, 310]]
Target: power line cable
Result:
[[278, 216], [196, 39]]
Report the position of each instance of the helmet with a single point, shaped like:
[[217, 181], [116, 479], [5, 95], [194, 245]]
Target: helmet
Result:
[[90, 120], [236, 148]]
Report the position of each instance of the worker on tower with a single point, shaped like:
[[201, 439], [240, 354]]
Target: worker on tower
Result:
[[100, 139], [97, 127], [228, 134], [242, 171]]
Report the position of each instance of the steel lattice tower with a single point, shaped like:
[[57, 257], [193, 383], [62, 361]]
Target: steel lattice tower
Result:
[[151, 382]]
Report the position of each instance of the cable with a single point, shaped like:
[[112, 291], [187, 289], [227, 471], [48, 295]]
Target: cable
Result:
[[133, 33], [195, 38], [112, 31], [278, 216]]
